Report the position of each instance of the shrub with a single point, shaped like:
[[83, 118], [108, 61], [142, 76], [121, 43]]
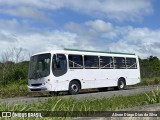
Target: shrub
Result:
[[153, 97]]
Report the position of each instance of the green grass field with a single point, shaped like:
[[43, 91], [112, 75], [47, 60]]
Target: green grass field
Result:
[[70, 104], [150, 81]]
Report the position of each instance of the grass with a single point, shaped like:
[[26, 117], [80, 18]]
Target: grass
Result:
[[83, 106], [149, 81], [153, 97], [70, 104], [13, 90]]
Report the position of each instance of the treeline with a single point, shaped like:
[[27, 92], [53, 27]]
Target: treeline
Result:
[[18, 72], [13, 68], [12, 72], [150, 67]]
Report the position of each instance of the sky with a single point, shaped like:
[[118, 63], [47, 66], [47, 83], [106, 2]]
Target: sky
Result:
[[103, 25]]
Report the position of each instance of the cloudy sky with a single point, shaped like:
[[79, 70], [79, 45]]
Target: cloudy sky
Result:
[[109, 25]]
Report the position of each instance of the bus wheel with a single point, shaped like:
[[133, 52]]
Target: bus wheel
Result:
[[121, 84], [74, 88]]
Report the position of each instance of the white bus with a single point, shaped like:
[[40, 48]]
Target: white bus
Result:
[[72, 70]]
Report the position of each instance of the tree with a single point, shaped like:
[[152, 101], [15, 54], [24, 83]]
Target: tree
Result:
[[150, 67], [12, 68]]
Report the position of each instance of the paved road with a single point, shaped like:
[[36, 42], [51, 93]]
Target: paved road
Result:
[[85, 95]]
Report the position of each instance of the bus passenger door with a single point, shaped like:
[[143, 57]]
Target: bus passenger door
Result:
[[59, 65]]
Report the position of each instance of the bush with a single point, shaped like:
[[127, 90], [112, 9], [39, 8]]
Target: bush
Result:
[[153, 97], [150, 67], [11, 72]]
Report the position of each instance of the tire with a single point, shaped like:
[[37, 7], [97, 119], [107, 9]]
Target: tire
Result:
[[74, 87], [121, 84]]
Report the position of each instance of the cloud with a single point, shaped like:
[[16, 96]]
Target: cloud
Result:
[[7, 37], [15, 27], [12, 24], [118, 10], [42, 41], [127, 9], [26, 12], [142, 41], [99, 25], [93, 35]]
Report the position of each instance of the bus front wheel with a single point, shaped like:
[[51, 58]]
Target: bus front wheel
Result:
[[74, 88]]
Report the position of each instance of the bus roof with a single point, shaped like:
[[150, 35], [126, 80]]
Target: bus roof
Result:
[[84, 51], [98, 51]]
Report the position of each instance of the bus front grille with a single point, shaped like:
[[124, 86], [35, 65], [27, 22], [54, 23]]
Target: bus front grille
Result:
[[38, 84]]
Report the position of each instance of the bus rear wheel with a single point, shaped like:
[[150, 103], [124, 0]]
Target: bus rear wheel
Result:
[[121, 84], [74, 88]]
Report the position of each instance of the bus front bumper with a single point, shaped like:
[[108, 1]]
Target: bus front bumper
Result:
[[37, 89]]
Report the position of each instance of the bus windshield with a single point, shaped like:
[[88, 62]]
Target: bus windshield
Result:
[[39, 66]]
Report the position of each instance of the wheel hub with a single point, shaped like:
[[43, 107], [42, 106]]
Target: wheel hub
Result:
[[121, 84], [74, 87]]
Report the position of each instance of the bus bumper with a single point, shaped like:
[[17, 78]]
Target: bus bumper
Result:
[[38, 89]]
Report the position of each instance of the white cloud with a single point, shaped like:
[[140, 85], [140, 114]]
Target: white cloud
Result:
[[88, 35], [48, 40], [127, 9], [26, 12], [43, 41], [15, 26], [143, 41], [12, 24], [114, 9], [99, 25], [7, 37]]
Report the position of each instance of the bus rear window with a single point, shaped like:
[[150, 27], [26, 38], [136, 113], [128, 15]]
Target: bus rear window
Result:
[[131, 63]]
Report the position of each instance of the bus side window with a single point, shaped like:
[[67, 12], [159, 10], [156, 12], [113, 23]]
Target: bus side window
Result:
[[75, 61], [119, 63], [61, 61], [91, 62], [106, 62], [131, 63]]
